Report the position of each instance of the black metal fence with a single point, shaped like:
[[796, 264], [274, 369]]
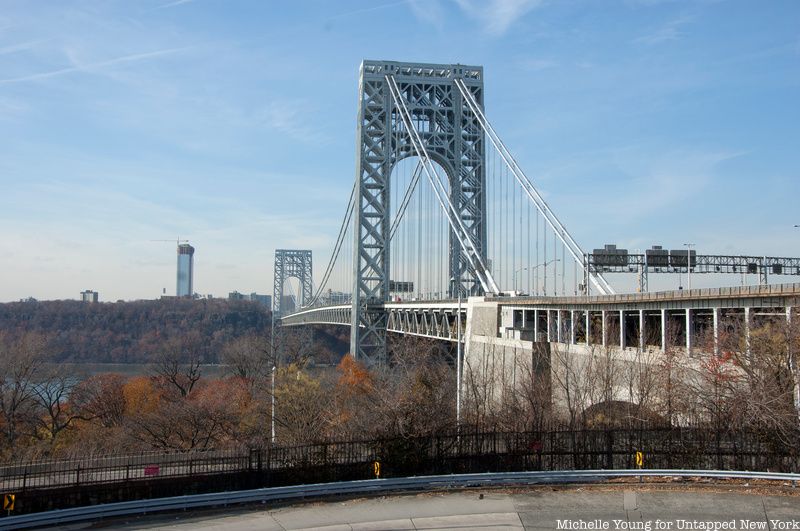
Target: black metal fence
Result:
[[54, 484]]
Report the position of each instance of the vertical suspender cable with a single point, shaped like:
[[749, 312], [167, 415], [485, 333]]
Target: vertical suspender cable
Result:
[[577, 254]]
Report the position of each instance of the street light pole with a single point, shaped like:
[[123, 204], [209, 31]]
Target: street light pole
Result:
[[272, 415], [458, 365], [689, 264], [533, 269]]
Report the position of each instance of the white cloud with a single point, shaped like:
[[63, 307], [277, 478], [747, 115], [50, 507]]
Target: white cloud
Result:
[[429, 11], [497, 15], [91, 67], [19, 47], [291, 117], [669, 31]]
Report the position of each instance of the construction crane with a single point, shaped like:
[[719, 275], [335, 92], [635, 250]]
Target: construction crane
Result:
[[177, 241]]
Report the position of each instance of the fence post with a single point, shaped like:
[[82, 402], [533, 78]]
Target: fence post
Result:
[[610, 449]]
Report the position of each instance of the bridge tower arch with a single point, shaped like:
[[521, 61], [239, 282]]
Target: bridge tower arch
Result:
[[291, 263], [453, 137]]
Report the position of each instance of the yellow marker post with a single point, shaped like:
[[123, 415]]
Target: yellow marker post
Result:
[[376, 467], [639, 463], [8, 502]]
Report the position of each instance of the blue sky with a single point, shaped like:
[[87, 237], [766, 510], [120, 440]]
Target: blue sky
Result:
[[232, 123]]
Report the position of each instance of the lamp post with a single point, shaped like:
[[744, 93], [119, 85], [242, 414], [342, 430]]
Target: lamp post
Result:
[[532, 269], [272, 415], [458, 365], [689, 264], [272, 392], [458, 353]]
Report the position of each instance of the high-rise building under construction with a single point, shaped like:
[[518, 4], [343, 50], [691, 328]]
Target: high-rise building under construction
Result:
[[185, 270]]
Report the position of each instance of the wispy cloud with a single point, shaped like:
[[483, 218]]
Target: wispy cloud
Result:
[[292, 118], [667, 181], [429, 11], [669, 31], [92, 67], [373, 8], [173, 4], [498, 15], [19, 47], [535, 65]]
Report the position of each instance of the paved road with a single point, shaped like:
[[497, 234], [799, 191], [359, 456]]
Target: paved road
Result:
[[619, 510]]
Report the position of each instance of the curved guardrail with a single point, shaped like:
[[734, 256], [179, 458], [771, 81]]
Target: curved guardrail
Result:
[[350, 488]]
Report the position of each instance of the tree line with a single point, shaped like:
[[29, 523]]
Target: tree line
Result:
[[749, 382], [136, 331]]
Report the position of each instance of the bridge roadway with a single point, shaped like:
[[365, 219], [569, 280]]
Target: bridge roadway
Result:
[[624, 507], [638, 320]]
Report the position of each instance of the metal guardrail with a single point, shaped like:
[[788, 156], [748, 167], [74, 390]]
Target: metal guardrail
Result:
[[349, 488]]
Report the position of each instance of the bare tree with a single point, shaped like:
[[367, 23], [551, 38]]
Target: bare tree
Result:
[[249, 357], [51, 391], [177, 365], [22, 359]]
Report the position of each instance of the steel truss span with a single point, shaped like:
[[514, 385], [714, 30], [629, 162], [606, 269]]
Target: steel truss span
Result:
[[291, 263]]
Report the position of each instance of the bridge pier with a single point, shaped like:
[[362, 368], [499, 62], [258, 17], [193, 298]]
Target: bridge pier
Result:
[[689, 330], [641, 330]]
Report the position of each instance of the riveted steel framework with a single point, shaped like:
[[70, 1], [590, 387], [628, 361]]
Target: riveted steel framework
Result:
[[291, 263], [453, 137]]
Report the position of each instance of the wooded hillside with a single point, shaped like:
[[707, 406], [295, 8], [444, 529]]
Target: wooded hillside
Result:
[[133, 332]]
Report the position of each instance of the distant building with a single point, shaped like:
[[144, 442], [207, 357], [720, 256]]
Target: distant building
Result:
[[265, 300], [185, 270], [89, 296], [288, 304]]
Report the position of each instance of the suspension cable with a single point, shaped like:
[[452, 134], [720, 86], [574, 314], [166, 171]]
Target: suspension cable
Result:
[[338, 245], [558, 228]]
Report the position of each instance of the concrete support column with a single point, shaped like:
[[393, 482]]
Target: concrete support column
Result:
[[572, 327], [688, 331], [716, 331], [663, 330], [603, 330], [536, 325], [747, 328], [641, 330], [622, 329], [560, 325], [588, 328]]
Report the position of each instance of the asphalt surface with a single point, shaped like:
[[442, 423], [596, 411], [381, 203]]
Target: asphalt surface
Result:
[[569, 509]]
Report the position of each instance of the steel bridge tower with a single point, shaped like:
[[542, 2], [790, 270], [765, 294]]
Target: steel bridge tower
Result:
[[290, 263], [453, 138]]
